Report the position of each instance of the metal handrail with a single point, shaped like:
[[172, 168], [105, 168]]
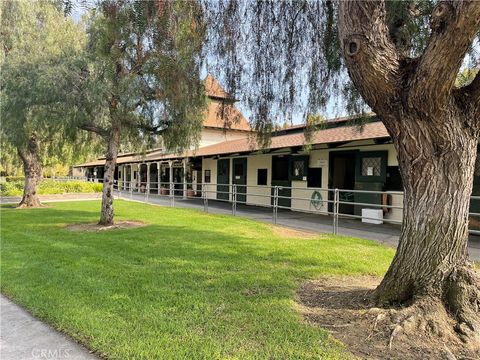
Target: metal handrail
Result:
[[208, 191]]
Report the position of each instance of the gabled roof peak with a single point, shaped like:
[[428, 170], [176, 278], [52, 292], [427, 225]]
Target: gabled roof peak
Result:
[[213, 89]]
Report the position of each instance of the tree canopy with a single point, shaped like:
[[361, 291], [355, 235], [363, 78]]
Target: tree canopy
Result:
[[142, 58], [283, 58], [39, 48]]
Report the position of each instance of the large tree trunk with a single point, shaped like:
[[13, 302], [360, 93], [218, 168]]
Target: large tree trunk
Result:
[[435, 129], [436, 160], [33, 173], [107, 212]]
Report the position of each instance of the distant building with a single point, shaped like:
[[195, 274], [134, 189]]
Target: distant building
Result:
[[341, 155]]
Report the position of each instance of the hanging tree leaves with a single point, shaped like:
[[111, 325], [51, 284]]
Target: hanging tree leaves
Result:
[[401, 59], [39, 48], [141, 79]]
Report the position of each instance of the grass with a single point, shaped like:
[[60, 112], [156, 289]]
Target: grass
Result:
[[188, 285], [49, 187]]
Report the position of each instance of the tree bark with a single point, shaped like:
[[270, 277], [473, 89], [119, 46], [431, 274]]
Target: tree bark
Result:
[[33, 173], [107, 212], [437, 165], [435, 130]]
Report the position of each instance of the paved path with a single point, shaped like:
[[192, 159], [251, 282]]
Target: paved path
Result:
[[23, 337], [387, 234]]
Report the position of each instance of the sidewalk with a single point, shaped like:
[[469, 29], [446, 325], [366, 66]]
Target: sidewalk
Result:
[[23, 337]]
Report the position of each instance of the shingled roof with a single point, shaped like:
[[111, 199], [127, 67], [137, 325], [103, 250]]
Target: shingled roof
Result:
[[328, 136], [213, 89], [225, 116], [374, 130]]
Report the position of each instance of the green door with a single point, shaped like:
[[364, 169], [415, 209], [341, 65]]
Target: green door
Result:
[[370, 175], [281, 177], [240, 178], [223, 179]]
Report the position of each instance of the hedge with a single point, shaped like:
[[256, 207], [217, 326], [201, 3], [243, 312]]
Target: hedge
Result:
[[48, 187]]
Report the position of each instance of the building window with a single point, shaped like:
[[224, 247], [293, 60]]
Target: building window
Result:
[[314, 178], [371, 166], [262, 176], [299, 168], [207, 176]]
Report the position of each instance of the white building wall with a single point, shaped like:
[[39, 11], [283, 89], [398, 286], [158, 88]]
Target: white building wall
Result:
[[210, 164], [259, 194], [301, 194], [319, 158], [78, 171]]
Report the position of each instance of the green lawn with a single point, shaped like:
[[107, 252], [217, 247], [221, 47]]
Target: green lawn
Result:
[[189, 285]]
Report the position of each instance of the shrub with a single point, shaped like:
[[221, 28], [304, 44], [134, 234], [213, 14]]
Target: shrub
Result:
[[14, 178], [49, 187]]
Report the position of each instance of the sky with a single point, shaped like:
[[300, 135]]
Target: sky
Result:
[[332, 110]]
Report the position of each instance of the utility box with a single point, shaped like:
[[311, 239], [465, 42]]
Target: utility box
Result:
[[372, 216]]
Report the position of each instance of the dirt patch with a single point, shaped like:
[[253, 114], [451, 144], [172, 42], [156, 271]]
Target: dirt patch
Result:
[[96, 227], [287, 232], [342, 305]]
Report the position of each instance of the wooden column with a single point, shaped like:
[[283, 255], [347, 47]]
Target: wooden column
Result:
[[148, 178], [185, 178], [158, 177], [131, 177]]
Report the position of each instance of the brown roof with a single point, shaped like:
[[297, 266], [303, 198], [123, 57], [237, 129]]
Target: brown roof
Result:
[[373, 130], [225, 116], [342, 119], [214, 89], [339, 134]]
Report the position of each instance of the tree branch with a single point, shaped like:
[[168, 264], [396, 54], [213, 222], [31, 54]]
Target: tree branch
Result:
[[454, 26], [95, 129], [372, 59]]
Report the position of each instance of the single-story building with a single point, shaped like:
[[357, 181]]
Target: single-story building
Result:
[[339, 156]]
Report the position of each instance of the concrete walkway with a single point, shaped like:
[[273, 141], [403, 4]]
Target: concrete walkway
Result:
[[387, 234], [23, 337]]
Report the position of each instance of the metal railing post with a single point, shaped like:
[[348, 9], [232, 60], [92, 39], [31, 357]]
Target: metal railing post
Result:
[[275, 204], [234, 199], [336, 198], [204, 196], [118, 188], [172, 195]]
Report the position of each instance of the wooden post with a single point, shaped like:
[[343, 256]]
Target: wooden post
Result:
[[148, 178], [158, 178], [185, 178]]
